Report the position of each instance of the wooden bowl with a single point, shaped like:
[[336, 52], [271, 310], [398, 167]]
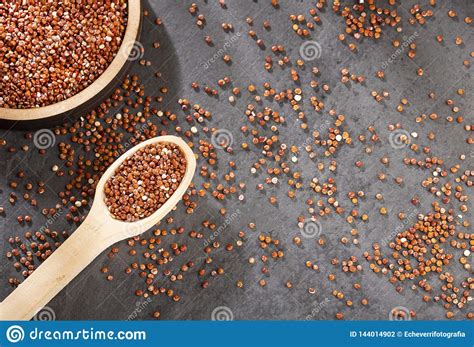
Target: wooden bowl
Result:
[[87, 98]]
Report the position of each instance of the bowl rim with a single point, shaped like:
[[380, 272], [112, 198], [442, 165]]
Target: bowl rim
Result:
[[88, 93]]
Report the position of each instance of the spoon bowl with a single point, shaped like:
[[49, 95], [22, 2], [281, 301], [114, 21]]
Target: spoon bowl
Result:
[[97, 232], [125, 229]]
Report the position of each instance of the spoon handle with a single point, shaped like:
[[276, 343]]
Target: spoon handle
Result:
[[55, 272]]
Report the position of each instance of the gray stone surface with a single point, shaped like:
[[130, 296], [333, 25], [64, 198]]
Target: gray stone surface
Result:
[[182, 59]]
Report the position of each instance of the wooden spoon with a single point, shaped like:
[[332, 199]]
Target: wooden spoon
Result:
[[98, 232]]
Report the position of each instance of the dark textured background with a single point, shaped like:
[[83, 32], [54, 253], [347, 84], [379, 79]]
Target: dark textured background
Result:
[[181, 59]]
